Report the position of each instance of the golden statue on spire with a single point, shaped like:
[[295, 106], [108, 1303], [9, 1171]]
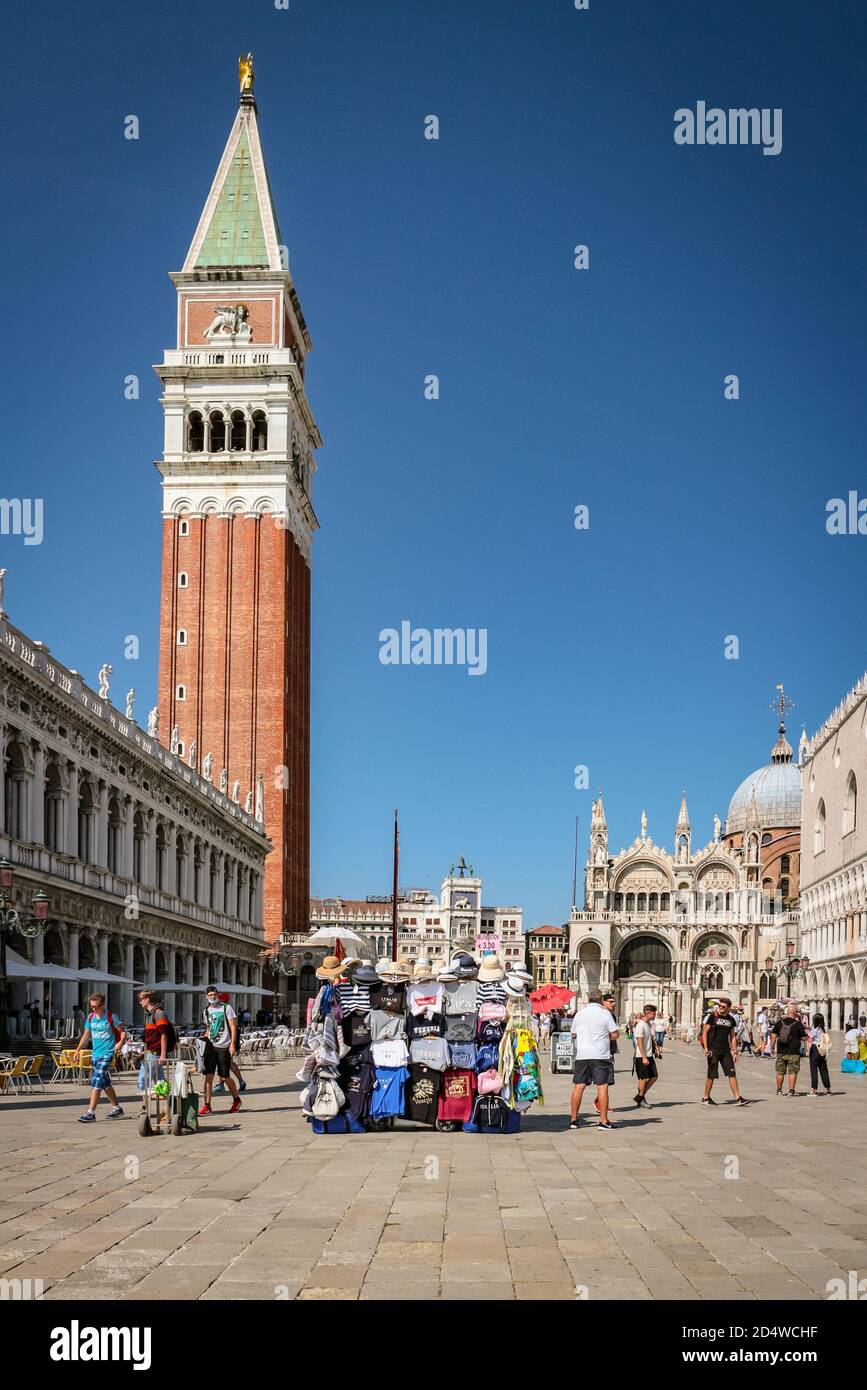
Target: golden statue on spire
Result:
[[246, 76]]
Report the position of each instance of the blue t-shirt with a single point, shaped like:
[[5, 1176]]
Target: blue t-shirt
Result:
[[387, 1095], [102, 1034]]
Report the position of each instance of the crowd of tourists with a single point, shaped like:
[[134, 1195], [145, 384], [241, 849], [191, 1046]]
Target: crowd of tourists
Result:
[[788, 1036], [104, 1035]]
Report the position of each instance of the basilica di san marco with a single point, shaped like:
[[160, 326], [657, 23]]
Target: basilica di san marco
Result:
[[679, 927]]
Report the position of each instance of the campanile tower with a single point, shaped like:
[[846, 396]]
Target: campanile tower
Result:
[[238, 522]]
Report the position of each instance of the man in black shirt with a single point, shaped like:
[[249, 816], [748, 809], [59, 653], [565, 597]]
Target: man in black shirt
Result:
[[720, 1047], [787, 1035]]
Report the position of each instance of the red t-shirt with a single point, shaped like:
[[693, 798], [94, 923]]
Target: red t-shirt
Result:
[[456, 1095]]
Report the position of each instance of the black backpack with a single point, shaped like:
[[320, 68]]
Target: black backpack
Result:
[[489, 1112], [785, 1032]]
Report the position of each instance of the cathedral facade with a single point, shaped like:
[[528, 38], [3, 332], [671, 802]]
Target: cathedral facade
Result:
[[677, 926]]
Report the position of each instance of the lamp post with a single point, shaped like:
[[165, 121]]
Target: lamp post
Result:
[[14, 921], [790, 967]]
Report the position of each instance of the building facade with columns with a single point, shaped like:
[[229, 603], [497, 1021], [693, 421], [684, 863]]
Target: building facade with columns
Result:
[[834, 861], [153, 875], [677, 927]]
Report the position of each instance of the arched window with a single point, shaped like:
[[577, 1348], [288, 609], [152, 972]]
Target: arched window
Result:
[[238, 432], [183, 579], [644, 953], [181, 694], [784, 889], [161, 855], [16, 783], [183, 528], [182, 636], [53, 808], [260, 431], [195, 432], [86, 824], [850, 806], [115, 826], [139, 832], [819, 831], [217, 432]]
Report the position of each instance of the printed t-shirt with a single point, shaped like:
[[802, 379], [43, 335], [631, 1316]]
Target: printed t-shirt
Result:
[[719, 1035], [421, 1027], [216, 1020], [491, 992], [386, 1098], [433, 1052], [353, 996], [591, 1028], [460, 996], [390, 1052], [102, 1034], [423, 1093], [385, 1025], [388, 996], [462, 1055], [358, 1088], [425, 998], [456, 1095]]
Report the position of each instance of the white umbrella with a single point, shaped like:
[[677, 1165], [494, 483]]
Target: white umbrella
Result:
[[329, 936]]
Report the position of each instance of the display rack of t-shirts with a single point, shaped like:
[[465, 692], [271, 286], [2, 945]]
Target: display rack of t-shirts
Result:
[[393, 1042]]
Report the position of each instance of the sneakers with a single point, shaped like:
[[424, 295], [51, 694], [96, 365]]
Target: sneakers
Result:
[[574, 1124], [242, 1085], [206, 1110], [116, 1113], [741, 1100], [88, 1118], [220, 1089], [605, 1124], [708, 1100], [235, 1106]]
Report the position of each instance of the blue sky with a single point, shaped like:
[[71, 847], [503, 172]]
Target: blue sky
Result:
[[558, 387]]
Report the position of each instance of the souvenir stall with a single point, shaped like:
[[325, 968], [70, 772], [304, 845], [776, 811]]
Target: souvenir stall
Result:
[[453, 1050]]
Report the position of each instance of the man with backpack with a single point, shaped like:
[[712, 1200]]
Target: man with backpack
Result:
[[105, 1033], [160, 1039], [787, 1035], [221, 1044]]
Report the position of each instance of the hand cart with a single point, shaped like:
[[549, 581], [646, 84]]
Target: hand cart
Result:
[[171, 1102]]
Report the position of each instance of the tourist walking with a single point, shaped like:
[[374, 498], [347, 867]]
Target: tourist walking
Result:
[[221, 1044], [105, 1034], [659, 1029], [594, 1029], [787, 1035], [159, 1041], [646, 1052], [720, 1048], [545, 1032], [820, 1047]]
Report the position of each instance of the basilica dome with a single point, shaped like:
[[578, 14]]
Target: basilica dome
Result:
[[775, 787]]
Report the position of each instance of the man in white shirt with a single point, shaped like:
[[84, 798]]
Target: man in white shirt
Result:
[[645, 1054], [594, 1029]]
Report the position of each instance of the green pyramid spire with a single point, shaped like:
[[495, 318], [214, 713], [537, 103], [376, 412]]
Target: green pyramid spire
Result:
[[239, 224]]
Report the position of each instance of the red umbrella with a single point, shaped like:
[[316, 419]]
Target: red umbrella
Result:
[[550, 997]]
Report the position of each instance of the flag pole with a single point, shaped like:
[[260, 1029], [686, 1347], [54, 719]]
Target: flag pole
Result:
[[394, 894]]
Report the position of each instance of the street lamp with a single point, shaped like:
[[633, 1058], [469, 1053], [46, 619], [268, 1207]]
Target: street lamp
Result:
[[14, 921]]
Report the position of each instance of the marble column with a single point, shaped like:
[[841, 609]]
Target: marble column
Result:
[[170, 876], [836, 1020], [188, 999], [102, 827], [127, 990], [126, 838], [75, 988], [37, 820], [72, 812]]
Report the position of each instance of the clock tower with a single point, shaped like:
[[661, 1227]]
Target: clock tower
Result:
[[238, 521]]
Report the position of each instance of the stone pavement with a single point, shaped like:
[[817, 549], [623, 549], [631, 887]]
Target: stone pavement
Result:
[[679, 1202]]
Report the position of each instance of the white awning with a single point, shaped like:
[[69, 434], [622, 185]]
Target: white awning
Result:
[[19, 968]]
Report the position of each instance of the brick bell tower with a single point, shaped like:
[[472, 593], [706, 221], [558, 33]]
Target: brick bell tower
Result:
[[238, 523]]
